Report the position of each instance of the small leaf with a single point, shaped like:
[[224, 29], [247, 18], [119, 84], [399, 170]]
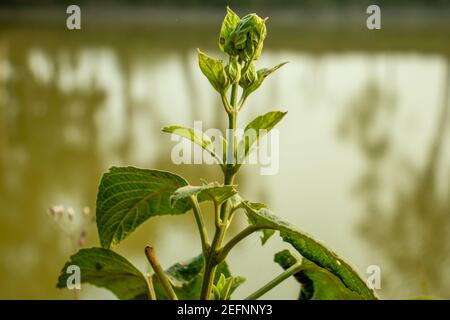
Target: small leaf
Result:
[[235, 201], [106, 269], [261, 75], [187, 278], [196, 136], [309, 248], [228, 25], [225, 286], [317, 283], [211, 191], [215, 72], [129, 196], [255, 130], [267, 234]]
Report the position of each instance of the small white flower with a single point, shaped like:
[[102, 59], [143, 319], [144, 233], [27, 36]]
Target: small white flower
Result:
[[70, 213]]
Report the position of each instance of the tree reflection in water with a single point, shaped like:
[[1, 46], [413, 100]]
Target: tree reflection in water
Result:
[[406, 215]]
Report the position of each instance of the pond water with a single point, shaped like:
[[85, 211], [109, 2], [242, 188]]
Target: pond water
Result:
[[364, 152]]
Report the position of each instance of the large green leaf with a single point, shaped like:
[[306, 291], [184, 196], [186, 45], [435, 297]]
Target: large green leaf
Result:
[[107, 269], [128, 196], [187, 278], [309, 248], [228, 25], [255, 130], [214, 71], [316, 283], [195, 136], [210, 191]]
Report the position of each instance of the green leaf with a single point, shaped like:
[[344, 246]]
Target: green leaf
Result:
[[187, 278], [106, 269], [317, 283], [215, 72], [247, 38], [225, 286], [255, 130], [211, 191], [196, 136], [309, 248], [251, 86], [229, 23], [235, 202], [128, 196], [267, 234]]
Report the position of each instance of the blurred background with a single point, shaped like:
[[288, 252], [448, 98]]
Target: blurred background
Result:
[[364, 152]]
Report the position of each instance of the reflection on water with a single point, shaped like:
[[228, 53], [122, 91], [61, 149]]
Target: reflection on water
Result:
[[70, 109], [409, 222]]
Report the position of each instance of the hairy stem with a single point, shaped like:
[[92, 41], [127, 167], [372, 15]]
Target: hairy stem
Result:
[[151, 256], [211, 261], [276, 281], [200, 224]]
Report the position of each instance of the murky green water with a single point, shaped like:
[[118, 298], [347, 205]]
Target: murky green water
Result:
[[364, 152]]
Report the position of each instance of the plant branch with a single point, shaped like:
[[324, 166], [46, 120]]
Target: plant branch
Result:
[[225, 103], [151, 256], [238, 238], [200, 224], [241, 102], [276, 281]]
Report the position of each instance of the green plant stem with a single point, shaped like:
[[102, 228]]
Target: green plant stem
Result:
[[225, 103], [217, 218], [151, 288], [211, 258], [211, 261], [200, 224], [151, 256], [211, 266], [276, 281], [242, 101], [235, 240]]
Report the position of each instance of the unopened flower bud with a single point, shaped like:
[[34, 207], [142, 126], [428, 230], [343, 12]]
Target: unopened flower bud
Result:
[[233, 70]]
